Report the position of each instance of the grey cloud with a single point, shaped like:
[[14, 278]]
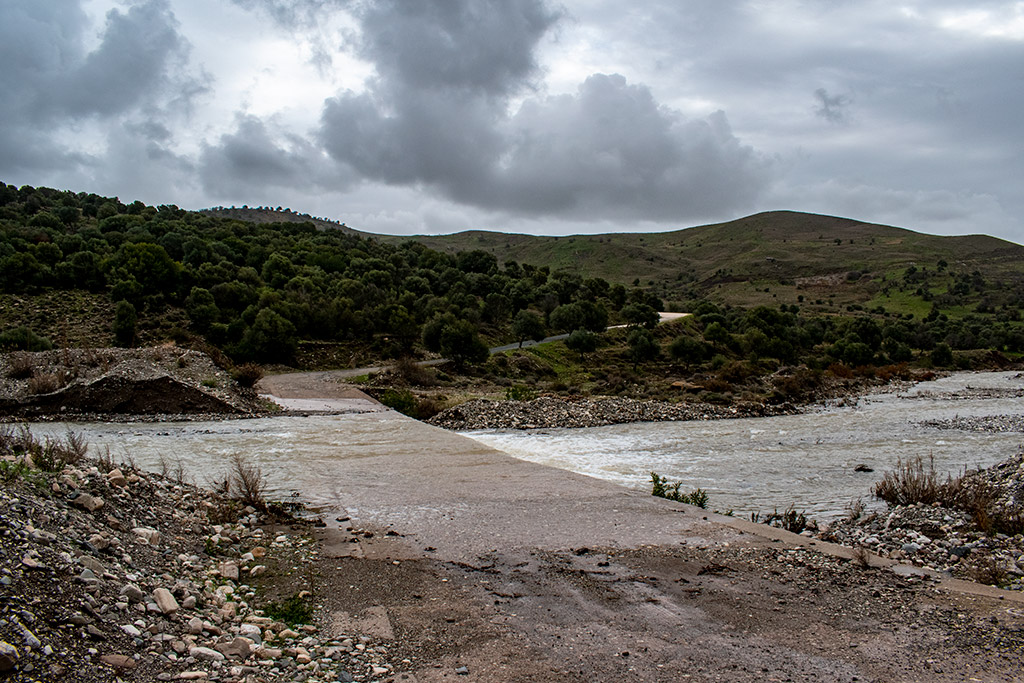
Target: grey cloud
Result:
[[432, 137], [293, 14], [438, 116], [50, 81], [132, 61], [831, 107], [611, 149], [250, 159], [485, 45]]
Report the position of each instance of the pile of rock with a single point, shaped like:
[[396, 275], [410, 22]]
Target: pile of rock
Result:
[[100, 382], [948, 539], [985, 423], [549, 412], [105, 574]]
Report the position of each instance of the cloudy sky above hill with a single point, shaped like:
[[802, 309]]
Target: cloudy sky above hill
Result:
[[526, 115]]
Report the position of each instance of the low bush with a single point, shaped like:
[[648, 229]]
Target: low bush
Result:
[[246, 484], [20, 365], [414, 374], [791, 520], [44, 383], [520, 392], [49, 455], [662, 488], [22, 338], [247, 374], [910, 483]]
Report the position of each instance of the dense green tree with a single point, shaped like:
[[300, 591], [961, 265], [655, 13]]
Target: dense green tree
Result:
[[201, 308], [528, 325], [640, 315], [582, 342], [461, 344], [688, 350], [642, 346], [125, 319], [942, 356], [270, 339]]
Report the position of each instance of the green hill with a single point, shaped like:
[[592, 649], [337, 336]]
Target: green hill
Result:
[[786, 252]]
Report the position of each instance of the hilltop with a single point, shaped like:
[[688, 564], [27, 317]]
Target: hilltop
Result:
[[728, 262]]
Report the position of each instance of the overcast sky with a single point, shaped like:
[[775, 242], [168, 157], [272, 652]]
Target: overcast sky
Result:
[[430, 116]]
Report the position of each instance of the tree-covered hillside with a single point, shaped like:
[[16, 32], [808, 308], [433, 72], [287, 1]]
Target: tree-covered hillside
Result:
[[254, 290]]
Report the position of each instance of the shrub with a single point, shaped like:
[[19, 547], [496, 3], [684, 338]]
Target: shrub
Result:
[[520, 392], [910, 483], [662, 488], [45, 383], [22, 338], [247, 374], [413, 373], [20, 366], [50, 455], [125, 319], [246, 484], [791, 520]]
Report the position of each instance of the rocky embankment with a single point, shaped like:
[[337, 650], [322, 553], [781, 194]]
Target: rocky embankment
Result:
[[952, 539], [112, 573], [94, 383], [549, 412]]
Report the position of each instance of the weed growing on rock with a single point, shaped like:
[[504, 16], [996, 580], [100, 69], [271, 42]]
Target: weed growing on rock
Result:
[[294, 611], [246, 483]]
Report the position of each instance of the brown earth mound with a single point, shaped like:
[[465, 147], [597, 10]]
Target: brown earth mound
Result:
[[161, 380]]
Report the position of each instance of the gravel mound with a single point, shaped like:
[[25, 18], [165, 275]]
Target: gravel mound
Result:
[[159, 380], [549, 412], [116, 574], [949, 539], [988, 423]]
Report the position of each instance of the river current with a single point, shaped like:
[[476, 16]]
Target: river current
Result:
[[746, 465]]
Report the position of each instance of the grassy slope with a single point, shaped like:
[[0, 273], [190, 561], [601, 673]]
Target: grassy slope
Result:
[[765, 249]]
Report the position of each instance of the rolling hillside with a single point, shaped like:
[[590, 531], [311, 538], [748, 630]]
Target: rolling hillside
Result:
[[735, 262]]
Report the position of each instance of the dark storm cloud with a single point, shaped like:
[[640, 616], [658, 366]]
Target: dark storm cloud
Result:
[[486, 46], [250, 159], [611, 149], [50, 81], [438, 115]]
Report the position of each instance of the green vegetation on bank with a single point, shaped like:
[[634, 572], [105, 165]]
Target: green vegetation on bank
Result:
[[783, 304]]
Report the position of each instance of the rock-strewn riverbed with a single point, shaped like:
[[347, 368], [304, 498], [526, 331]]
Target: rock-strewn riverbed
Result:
[[950, 539], [110, 574], [549, 412]]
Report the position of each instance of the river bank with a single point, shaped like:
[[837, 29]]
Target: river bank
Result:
[[461, 564]]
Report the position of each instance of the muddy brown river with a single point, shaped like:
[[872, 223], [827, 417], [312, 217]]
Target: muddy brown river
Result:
[[746, 465]]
